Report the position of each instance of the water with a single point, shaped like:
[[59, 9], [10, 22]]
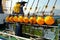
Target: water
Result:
[[57, 17]]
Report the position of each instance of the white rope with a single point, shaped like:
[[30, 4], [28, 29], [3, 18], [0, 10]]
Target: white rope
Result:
[[13, 36]]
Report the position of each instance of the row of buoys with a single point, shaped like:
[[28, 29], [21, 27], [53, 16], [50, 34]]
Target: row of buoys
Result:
[[49, 20]]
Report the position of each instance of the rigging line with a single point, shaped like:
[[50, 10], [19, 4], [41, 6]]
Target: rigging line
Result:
[[45, 6], [26, 5], [42, 8], [55, 2], [36, 5], [38, 9], [53, 7], [48, 2], [32, 5]]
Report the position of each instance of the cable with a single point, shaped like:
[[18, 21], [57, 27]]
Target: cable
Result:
[[46, 6], [26, 5], [51, 12], [37, 5], [31, 6]]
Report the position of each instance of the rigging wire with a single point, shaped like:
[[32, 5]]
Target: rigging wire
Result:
[[51, 12], [37, 5], [31, 7], [46, 6], [26, 5], [52, 8]]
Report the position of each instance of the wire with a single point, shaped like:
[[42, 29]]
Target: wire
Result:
[[45, 6], [31, 6], [51, 12], [37, 5], [26, 5]]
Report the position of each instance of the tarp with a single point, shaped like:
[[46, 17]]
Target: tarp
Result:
[[2, 17]]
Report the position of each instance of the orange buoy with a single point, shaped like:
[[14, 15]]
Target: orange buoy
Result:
[[11, 19], [26, 19], [15, 19], [40, 20], [7, 19], [32, 20], [20, 19], [49, 20]]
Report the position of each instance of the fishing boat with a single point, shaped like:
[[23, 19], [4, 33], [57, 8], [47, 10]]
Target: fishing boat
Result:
[[40, 21]]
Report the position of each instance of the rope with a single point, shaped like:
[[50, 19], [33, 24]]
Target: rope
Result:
[[53, 7], [26, 5], [37, 5], [38, 9], [47, 4], [45, 7], [31, 6], [55, 2]]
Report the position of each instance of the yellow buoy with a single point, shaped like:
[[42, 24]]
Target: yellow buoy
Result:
[[26, 19], [20, 19], [7, 19], [11, 19], [49, 20], [15, 19], [32, 20], [40, 20]]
